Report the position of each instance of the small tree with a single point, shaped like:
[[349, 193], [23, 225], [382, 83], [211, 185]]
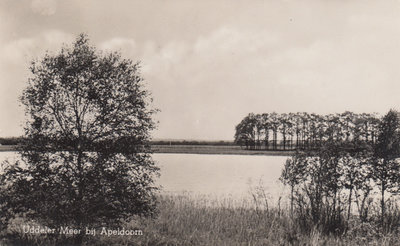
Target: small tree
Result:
[[293, 173], [386, 152], [86, 159], [356, 178]]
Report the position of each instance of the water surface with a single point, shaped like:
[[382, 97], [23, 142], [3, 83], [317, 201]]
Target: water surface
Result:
[[220, 175], [235, 176]]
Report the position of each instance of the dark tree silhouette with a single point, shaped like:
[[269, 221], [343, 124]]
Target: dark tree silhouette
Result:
[[386, 154], [310, 130], [86, 158]]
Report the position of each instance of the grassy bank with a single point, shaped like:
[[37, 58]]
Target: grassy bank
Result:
[[7, 148], [184, 220], [215, 150]]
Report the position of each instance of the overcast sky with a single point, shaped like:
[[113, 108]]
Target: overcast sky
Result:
[[210, 63]]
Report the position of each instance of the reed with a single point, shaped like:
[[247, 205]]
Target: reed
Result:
[[202, 220]]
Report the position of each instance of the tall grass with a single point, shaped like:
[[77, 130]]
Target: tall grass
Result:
[[195, 220]]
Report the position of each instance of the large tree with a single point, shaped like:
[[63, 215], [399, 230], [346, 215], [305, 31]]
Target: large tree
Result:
[[86, 158]]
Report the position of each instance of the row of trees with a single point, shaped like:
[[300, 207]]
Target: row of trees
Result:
[[303, 130], [325, 183]]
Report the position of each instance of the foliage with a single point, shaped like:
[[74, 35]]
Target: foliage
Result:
[[245, 132], [293, 174], [10, 141], [303, 131], [386, 154], [344, 170], [388, 144], [86, 158]]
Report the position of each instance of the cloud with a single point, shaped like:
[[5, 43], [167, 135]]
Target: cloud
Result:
[[24, 49], [212, 74], [14, 63], [235, 40], [44, 7], [118, 43], [220, 53], [232, 71], [54, 39], [18, 50], [210, 63]]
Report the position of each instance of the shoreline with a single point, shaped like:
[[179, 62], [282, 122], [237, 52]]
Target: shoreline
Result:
[[197, 149], [7, 148], [215, 150]]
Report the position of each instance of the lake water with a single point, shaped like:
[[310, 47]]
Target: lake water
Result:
[[215, 175], [220, 175]]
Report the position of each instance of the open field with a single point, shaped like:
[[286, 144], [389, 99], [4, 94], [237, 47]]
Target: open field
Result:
[[199, 149]]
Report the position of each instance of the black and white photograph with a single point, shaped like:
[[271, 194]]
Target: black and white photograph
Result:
[[196, 123]]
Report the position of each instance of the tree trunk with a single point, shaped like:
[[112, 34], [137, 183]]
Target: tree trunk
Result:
[[382, 203], [291, 200], [349, 208], [78, 239], [274, 140], [284, 140], [266, 139]]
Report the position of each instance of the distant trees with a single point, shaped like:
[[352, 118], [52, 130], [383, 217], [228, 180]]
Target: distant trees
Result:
[[245, 132], [10, 141], [358, 156], [85, 160], [303, 130]]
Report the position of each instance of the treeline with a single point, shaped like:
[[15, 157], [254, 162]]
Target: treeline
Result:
[[334, 188], [11, 141], [290, 131], [19, 140]]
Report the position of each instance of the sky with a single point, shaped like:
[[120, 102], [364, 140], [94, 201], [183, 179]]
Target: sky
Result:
[[210, 63]]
